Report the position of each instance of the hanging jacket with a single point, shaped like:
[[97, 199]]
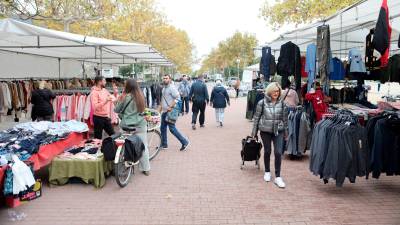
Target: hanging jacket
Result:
[[267, 63], [370, 59], [383, 31], [393, 69], [317, 101], [289, 63], [219, 97]]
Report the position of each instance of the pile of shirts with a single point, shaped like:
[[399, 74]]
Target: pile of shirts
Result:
[[338, 150], [87, 150], [25, 139], [19, 178]]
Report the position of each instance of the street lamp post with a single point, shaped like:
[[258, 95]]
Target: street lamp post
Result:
[[238, 63]]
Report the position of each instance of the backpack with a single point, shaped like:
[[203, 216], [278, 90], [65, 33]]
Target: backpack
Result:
[[109, 148], [134, 148]]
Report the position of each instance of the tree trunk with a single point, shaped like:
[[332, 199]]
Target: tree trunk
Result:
[[66, 25]]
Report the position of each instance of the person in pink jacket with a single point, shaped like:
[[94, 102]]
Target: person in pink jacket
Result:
[[101, 100]]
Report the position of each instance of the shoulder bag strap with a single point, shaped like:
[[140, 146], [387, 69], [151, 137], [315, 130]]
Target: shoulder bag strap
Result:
[[126, 106], [286, 95]]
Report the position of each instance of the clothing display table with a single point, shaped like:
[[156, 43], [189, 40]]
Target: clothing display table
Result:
[[90, 171], [47, 152]]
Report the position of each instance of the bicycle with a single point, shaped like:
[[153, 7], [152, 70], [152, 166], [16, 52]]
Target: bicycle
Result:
[[124, 169]]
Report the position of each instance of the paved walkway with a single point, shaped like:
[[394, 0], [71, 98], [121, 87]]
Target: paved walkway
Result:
[[205, 186]]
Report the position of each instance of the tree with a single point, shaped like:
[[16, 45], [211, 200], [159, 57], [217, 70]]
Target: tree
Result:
[[300, 11], [224, 58], [65, 12], [126, 20], [125, 71]]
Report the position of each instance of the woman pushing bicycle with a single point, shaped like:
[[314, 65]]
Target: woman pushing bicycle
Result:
[[130, 108]]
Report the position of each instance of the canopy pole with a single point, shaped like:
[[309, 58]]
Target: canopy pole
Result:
[[101, 61], [59, 68]]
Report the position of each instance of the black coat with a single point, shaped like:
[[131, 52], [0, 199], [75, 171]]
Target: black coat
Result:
[[41, 103], [289, 63], [219, 97], [382, 34], [267, 63]]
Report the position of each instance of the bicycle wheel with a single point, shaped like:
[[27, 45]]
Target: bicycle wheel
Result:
[[122, 170], [154, 143]]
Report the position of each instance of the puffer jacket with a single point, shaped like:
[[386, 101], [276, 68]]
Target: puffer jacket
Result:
[[273, 119]]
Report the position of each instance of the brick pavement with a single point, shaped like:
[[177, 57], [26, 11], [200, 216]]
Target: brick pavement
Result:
[[205, 186]]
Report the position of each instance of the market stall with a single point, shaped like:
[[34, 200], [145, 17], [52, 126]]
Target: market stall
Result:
[[334, 63], [29, 54]]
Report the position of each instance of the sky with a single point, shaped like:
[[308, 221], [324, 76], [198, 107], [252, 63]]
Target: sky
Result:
[[208, 22]]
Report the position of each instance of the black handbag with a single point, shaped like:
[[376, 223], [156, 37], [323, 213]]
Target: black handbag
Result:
[[109, 148]]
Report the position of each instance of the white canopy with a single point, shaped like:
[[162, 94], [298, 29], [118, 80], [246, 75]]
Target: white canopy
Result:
[[19, 37], [348, 28]]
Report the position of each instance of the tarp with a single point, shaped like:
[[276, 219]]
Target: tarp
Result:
[[348, 28], [23, 38]]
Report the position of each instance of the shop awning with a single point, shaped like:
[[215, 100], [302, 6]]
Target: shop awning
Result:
[[348, 28], [20, 37]]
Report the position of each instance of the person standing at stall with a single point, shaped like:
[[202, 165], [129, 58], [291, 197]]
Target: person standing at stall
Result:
[[42, 110], [219, 100], [318, 100], [129, 107], [101, 100], [184, 91], [290, 96], [199, 97], [170, 96], [271, 120]]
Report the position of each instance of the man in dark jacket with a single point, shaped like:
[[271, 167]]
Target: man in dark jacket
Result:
[[42, 108], [199, 97], [219, 99]]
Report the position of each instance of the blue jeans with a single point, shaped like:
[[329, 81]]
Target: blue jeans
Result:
[[185, 105], [172, 129]]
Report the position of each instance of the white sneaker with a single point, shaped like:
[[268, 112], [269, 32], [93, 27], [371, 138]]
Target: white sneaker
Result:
[[279, 182], [267, 176]]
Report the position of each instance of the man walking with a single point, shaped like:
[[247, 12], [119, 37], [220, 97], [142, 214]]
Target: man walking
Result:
[[169, 98], [184, 90], [199, 97]]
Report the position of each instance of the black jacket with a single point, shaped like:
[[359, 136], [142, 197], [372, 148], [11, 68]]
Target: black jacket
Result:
[[267, 63], [289, 63], [381, 36], [219, 97], [199, 92], [41, 103]]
